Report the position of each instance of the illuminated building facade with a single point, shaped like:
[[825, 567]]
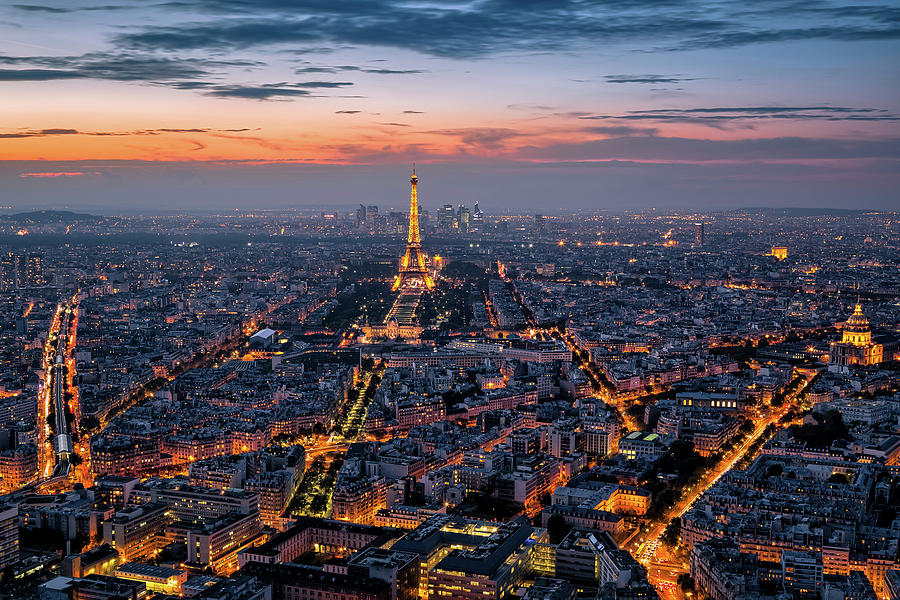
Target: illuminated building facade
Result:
[[8, 272], [136, 532], [9, 535], [463, 219], [856, 346], [100, 560], [216, 544], [640, 443], [123, 456], [462, 558], [308, 582], [30, 270], [413, 271], [358, 501], [164, 580], [477, 218], [18, 466]]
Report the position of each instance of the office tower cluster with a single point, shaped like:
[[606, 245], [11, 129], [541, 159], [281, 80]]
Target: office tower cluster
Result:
[[21, 270]]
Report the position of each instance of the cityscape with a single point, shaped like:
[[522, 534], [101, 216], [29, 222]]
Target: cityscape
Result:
[[451, 404], [449, 300]]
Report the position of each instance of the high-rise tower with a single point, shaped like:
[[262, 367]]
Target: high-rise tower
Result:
[[413, 272]]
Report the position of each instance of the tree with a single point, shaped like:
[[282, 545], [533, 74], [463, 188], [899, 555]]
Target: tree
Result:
[[887, 516], [557, 528], [319, 503], [90, 422], [822, 434], [685, 582], [672, 532]]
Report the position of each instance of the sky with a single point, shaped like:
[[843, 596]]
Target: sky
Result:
[[535, 105]]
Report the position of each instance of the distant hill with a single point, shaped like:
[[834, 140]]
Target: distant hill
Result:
[[799, 211], [49, 217]]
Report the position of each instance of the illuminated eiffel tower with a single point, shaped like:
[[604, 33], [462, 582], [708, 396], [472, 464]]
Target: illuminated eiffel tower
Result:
[[413, 272]]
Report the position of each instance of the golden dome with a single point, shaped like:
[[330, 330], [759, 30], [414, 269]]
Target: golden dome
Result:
[[856, 328], [857, 321]]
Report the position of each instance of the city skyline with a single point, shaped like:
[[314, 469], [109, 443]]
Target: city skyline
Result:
[[688, 104]]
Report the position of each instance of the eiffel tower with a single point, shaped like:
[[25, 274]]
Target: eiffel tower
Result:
[[413, 272]]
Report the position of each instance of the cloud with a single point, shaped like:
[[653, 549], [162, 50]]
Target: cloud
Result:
[[733, 39], [58, 131], [482, 138], [345, 68], [37, 74], [717, 116], [38, 133], [413, 112], [347, 112], [531, 107], [674, 149], [621, 130], [393, 71], [116, 67], [40, 8], [195, 130], [270, 91], [255, 92], [646, 78], [145, 51], [764, 109], [31, 133], [458, 29], [54, 174]]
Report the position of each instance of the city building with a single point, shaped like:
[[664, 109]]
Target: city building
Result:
[[641, 444], [136, 532], [9, 536], [856, 346]]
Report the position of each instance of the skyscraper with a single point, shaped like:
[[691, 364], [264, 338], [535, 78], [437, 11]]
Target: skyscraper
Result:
[[698, 234], [463, 218], [373, 220], [30, 270], [413, 271], [8, 272], [477, 218], [446, 217]]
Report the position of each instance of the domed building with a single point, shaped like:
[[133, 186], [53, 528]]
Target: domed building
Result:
[[856, 346]]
